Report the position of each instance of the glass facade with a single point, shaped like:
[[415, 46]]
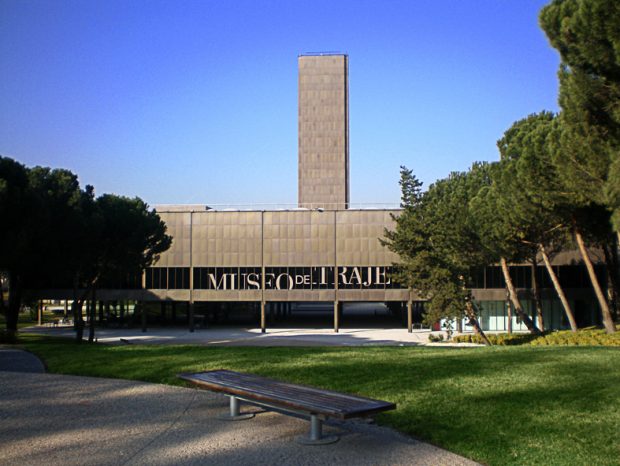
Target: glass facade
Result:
[[276, 278], [167, 278], [570, 276]]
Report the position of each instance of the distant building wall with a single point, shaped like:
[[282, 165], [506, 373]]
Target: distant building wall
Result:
[[323, 132]]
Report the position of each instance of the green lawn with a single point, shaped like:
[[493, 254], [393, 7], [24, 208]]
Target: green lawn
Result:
[[508, 405], [25, 319]]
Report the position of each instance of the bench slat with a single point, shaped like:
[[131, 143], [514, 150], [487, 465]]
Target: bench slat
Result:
[[299, 397]]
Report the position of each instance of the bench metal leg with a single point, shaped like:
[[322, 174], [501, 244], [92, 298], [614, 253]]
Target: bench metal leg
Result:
[[235, 414], [316, 434]]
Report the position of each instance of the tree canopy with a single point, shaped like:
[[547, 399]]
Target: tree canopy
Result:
[[56, 234], [586, 33], [438, 249]]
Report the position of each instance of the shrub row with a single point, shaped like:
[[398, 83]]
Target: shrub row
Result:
[[585, 337]]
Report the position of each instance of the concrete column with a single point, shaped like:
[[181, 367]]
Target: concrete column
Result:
[[191, 316], [336, 316], [409, 316], [263, 320], [39, 312], [66, 313]]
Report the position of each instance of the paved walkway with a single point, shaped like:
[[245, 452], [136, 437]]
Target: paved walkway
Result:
[[16, 360], [65, 420], [239, 336]]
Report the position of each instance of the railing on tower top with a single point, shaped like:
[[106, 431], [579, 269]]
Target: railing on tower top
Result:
[[278, 206]]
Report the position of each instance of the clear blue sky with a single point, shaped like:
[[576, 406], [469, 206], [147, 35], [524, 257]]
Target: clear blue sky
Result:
[[196, 101]]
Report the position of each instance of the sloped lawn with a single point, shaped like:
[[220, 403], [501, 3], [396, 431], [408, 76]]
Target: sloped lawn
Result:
[[508, 405]]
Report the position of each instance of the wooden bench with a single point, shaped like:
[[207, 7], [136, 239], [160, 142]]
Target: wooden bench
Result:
[[287, 398]]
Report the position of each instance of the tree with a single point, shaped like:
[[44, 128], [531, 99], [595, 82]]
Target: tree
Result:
[[56, 234], [437, 249], [586, 35], [531, 191], [498, 235], [17, 225], [127, 237]]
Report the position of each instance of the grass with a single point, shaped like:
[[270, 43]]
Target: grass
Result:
[[508, 405]]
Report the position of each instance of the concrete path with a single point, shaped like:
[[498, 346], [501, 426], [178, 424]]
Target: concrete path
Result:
[[239, 336], [66, 420], [17, 360]]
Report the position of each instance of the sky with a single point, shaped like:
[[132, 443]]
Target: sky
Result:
[[195, 101]]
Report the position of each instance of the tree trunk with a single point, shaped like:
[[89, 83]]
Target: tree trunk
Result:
[[78, 320], [515, 299], [76, 310], [613, 281], [91, 317], [15, 302], [122, 313], [509, 314], [473, 321], [2, 305], [536, 295], [608, 322], [558, 289]]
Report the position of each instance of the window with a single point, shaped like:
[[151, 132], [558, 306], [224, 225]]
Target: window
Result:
[[162, 278]]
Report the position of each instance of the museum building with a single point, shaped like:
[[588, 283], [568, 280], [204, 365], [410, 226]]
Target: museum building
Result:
[[320, 251], [267, 262]]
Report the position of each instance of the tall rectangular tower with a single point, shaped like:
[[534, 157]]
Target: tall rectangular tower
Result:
[[323, 131]]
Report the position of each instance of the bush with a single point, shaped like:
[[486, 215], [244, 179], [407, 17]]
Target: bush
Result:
[[435, 338], [584, 337]]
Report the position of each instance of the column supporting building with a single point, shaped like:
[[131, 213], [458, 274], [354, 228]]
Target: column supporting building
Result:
[[191, 316], [409, 316], [142, 315], [337, 306], [263, 326]]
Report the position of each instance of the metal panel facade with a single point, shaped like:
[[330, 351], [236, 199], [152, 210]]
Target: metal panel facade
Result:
[[266, 240], [323, 131]]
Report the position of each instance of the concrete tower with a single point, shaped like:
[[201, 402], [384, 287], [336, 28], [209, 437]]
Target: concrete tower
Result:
[[323, 131]]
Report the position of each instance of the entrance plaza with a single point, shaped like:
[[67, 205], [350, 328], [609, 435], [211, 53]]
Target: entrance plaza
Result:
[[239, 336], [308, 325]]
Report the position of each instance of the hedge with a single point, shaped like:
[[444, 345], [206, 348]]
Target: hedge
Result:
[[584, 337]]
